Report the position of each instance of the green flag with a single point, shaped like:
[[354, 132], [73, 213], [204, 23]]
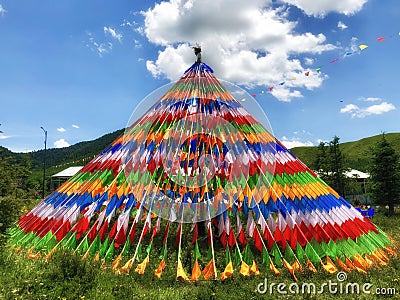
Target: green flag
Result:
[[300, 253], [236, 257], [289, 255], [104, 247], [197, 253], [71, 242], [127, 247], [148, 248], [83, 247], [227, 256], [248, 255], [94, 246], [312, 254], [110, 252], [266, 259], [276, 255]]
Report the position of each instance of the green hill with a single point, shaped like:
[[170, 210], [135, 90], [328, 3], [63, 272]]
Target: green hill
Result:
[[357, 154], [59, 156]]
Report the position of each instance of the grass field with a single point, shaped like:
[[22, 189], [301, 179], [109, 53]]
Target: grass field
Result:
[[66, 276]]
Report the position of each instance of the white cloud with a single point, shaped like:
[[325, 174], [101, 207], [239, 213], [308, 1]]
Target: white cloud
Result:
[[294, 142], [379, 109], [320, 8], [3, 137], [113, 33], [341, 25], [254, 48], [75, 126], [308, 61], [100, 48], [370, 99], [137, 44], [61, 129], [127, 23], [361, 112], [286, 94], [349, 108], [2, 10], [61, 143]]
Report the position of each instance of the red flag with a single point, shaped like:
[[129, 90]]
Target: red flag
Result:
[[257, 239], [92, 233], [279, 238], [64, 229], [269, 238], [242, 237], [113, 231], [178, 234], [231, 238], [103, 229], [120, 238], [81, 226], [166, 233], [223, 240]]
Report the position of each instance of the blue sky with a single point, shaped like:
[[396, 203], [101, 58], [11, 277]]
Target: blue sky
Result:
[[80, 68]]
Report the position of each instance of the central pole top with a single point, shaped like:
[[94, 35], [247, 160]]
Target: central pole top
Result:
[[197, 52]]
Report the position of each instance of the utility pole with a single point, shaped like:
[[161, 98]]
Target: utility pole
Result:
[[44, 161]]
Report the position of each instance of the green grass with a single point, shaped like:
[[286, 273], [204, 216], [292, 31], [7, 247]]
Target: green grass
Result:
[[66, 276]]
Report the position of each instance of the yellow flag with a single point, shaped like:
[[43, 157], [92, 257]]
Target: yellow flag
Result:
[[209, 270], [310, 266], [349, 264], [360, 262], [97, 257], [254, 269], [290, 268], [329, 267], [228, 271], [86, 255], [196, 272], [342, 265], [180, 272], [50, 254], [31, 255], [116, 262], [376, 257], [391, 251], [127, 267], [245, 269], [273, 268], [297, 266], [160, 268], [142, 266]]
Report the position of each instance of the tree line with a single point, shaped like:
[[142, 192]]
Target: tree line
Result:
[[384, 182]]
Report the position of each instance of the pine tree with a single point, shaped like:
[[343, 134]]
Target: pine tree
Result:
[[330, 165], [385, 175], [337, 167]]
